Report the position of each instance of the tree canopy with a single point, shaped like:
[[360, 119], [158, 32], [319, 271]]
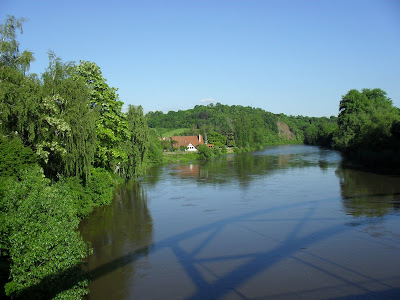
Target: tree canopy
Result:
[[62, 138], [365, 120]]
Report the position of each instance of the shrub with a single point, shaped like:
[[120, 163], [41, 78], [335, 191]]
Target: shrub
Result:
[[81, 196], [45, 249], [204, 152], [100, 186]]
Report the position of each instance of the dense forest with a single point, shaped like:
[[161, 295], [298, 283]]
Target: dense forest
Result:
[[65, 143]]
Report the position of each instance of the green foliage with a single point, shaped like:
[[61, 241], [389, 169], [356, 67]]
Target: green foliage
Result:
[[111, 125], [243, 127], [204, 152], [9, 46], [174, 132], [216, 139], [311, 135], [19, 100], [100, 186], [320, 131], [137, 143], [365, 120], [68, 122], [154, 153], [44, 247], [66, 141], [179, 157], [219, 150], [167, 145], [14, 157], [82, 197]]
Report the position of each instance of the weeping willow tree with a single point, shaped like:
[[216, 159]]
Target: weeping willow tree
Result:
[[67, 141], [136, 145], [19, 94]]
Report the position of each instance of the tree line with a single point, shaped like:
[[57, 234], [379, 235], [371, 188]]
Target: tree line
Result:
[[367, 121], [244, 127], [64, 144]]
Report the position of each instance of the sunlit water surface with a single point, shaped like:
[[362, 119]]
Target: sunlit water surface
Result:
[[288, 222]]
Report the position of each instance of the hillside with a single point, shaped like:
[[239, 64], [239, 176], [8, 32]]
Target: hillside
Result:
[[240, 126]]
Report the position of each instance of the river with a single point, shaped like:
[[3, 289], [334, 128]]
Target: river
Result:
[[287, 222]]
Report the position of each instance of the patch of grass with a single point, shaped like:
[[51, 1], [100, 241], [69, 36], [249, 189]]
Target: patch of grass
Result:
[[174, 132], [179, 156]]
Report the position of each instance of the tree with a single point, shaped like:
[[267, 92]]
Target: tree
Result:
[[365, 120], [154, 149], [136, 145], [19, 101], [9, 46], [311, 135], [216, 139], [67, 137], [204, 152], [111, 125]]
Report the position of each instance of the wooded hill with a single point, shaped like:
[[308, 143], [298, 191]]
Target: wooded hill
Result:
[[244, 126]]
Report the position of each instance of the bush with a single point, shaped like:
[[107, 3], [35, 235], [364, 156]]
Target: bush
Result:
[[100, 186], [81, 197], [216, 151], [45, 249], [237, 150], [204, 152], [14, 159]]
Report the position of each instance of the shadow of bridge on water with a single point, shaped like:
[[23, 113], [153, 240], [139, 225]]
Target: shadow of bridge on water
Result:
[[255, 262]]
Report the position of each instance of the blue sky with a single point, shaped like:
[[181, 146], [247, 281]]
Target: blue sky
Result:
[[292, 57]]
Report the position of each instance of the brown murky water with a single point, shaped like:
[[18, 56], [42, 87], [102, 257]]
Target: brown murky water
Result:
[[288, 222]]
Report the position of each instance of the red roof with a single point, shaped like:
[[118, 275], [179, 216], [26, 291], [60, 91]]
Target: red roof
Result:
[[186, 140]]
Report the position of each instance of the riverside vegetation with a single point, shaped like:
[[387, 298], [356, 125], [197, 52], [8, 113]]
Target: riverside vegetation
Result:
[[65, 143], [367, 127]]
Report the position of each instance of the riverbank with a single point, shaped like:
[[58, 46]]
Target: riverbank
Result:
[[186, 156]]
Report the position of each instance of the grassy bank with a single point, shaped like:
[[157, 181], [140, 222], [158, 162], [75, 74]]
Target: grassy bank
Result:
[[178, 157], [186, 156]]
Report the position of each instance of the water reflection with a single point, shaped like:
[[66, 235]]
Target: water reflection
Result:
[[368, 194], [289, 239], [244, 168], [113, 231]]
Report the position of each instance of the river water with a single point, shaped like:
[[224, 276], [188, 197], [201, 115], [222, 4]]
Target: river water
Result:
[[287, 222]]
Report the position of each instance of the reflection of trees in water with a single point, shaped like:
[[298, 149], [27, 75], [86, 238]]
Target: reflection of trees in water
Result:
[[128, 213], [244, 168], [368, 194], [132, 197], [153, 175], [124, 226]]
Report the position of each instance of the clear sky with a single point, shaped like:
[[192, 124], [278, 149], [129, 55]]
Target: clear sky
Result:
[[295, 57]]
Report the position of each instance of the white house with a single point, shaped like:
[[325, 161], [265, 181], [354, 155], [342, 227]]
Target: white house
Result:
[[190, 147]]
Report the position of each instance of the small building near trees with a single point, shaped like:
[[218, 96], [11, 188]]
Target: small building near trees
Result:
[[190, 143]]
